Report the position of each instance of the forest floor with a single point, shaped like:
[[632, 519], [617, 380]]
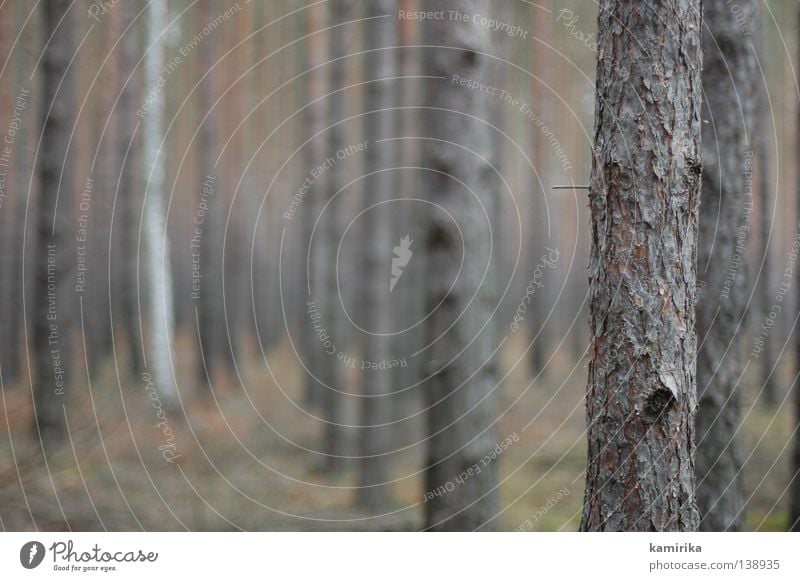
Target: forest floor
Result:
[[244, 461]]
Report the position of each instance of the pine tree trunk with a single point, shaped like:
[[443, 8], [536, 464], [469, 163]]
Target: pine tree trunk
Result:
[[538, 231], [644, 204], [54, 253], [727, 202], [156, 242], [208, 305], [108, 159], [459, 363], [794, 524], [333, 396], [379, 188], [766, 293], [129, 198], [314, 262], [9, 199]]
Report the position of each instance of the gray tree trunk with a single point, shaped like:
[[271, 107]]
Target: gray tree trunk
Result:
[[768, 370], [209, 305], [160, 298], [644, 198], [333, 396], [537, 239], [459, 366], [10, 180], [794, 524], [379, 188], [729, 83], [316, 114], [97, 320], [54, 253], [129, 199]]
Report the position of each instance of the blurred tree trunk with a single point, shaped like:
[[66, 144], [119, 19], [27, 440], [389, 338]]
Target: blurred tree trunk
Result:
[[156, 242], [129, 198], [379, 189], [28, 178], [408, 296], [333, 393], [9, 198], [459, 363], [52, 314], [794, 485], [644, 203], [768, 364], [208, 307], [236, 275], [768, 371], [728, 79], [107, 161], [313, 200], [538, 232]]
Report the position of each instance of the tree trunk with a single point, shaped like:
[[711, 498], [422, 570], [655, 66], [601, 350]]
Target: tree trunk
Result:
[[129, 199], [459, 364], [794, 524], [314, 263], [768, 371], [644, 204], [379, 189], [331, 229], [727, 202], [208, 306], [538, 232], [97, 320], [10, 108], [768, 364], [54, 254], [156, 242]]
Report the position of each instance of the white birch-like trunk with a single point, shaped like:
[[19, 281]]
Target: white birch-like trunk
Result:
[[160, 316]]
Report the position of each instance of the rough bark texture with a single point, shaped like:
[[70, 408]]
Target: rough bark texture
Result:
[[727, 201], [379, 184], [460, 370], [644, 204], [54, 253], [156, 242]]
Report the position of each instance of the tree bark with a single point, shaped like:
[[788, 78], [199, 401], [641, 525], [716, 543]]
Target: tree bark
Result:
[[728, 79], [459, 364], [379, 189], [644, 198]]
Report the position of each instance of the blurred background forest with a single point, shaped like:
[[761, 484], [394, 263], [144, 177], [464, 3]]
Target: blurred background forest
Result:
[[240, 288]]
